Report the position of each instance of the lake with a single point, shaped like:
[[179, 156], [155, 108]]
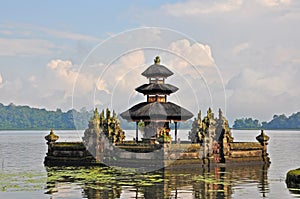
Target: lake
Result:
[[23, 175]]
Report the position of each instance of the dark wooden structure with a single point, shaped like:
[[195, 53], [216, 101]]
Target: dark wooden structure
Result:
[[156, 112]]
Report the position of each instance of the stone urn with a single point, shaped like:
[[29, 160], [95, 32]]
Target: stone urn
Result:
[[51, 137]]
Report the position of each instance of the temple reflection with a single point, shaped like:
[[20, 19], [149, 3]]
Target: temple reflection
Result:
[[213, 183]]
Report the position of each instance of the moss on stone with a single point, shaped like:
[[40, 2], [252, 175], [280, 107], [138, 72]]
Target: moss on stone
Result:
[[295, 172], [293, 178], [68, 146], [245, 145]]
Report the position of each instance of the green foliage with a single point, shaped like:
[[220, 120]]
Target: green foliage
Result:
[[278, 122], [246, 123], [283, 122], [14, 117]]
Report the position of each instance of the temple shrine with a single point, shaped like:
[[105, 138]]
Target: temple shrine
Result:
[[156, 113], [210, 139]]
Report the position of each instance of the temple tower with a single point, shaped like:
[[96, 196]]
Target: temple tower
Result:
[[156, 112]]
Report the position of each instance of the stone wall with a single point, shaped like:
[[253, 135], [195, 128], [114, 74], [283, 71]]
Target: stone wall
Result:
[[103, 143], [67, 153], [138, 155]]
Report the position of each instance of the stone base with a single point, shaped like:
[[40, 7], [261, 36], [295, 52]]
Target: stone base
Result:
[[150, 157]]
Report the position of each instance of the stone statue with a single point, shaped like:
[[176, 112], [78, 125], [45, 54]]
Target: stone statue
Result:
[[157, 60], [96, 113], [212, 133], [102, 129], [196, 135]]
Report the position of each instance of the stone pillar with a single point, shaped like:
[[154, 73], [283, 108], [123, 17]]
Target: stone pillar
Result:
[[51, 138], [263, 140], [175, 132], [137, 132]]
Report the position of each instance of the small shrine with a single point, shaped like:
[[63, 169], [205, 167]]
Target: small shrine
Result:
[[156, 113]]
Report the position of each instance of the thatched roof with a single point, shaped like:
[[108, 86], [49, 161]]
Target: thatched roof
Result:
[[157, 89], [163, 111], [157, 70]]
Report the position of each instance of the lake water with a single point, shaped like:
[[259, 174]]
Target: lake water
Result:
[[23, 175]]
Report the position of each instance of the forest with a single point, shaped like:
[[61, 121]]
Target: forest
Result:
[[277, 122], [13, 117]]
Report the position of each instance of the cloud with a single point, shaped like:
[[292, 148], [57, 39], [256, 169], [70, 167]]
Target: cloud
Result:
[[32, 40], [194, 7], [240, 47], [25, 47], [64, 69], [101, 85], [6, 32], [129, 62], [264, 83], [197, 53], [69, 76], [273, 3], [68, 35], [1, 81], [263, 92], [121, 78], [30, 30]]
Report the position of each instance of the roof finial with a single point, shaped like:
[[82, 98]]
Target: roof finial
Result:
[[157, 60]]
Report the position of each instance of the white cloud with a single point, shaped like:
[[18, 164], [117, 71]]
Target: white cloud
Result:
[[273, 3], [63, 69], [128, 62], [11, 47], [59, 64], [259, 82], [263, 92], [102, 86], [33, 80], [68, 35], [1, 81], [6, 32], [240, 47], [69, 76], [197, 53], [222, 8], [122, 77], [30, 30], [194, 7]]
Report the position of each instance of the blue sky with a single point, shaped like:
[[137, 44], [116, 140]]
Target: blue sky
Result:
[[254, 45]]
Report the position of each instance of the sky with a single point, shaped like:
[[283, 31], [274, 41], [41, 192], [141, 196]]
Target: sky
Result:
[[241, 56]]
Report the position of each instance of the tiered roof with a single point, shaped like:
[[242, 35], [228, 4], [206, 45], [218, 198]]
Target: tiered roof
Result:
[[157, 70], [157, 110], [156, 89]]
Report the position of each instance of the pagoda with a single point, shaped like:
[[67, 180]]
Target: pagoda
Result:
[[156, 113]]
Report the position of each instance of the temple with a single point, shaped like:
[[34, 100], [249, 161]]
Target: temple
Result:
[[156, 113], [210, 139]]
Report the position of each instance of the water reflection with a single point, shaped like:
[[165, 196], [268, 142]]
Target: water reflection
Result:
[[213, 183]]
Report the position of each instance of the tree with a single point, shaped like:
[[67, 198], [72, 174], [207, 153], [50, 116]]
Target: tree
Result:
[[246, 123]]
